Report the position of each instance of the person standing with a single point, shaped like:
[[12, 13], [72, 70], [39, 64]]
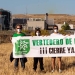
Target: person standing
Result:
[[38, 59], [54, 34], [22, 60]]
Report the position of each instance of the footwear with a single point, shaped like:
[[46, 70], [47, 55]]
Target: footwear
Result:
[[15, 69], [34, 70], [43, 71], [60, 70], [23, 67], [52, 71]]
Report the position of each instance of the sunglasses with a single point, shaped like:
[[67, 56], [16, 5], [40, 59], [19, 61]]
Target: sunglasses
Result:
[[18, 28], [55, 28]]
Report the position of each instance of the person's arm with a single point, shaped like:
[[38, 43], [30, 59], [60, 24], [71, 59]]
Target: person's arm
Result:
[[10, 37]]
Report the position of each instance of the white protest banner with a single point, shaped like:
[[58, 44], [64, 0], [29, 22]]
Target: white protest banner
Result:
[[43, 46]]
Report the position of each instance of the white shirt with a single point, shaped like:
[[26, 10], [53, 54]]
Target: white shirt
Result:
[[55, 34]]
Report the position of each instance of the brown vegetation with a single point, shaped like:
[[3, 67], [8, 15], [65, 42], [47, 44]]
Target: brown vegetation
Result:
[[7, 68]]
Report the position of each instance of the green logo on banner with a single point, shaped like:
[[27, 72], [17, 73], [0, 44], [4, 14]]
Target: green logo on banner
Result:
[[22, 46]]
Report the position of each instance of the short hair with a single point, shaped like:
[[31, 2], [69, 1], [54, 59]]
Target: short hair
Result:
[[18, 25], [55, 26], [37, 29]]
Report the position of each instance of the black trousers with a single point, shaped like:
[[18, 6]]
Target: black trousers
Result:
[[36, 62]]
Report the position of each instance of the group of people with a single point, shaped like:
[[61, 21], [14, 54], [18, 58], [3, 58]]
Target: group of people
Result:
[[36, 59]]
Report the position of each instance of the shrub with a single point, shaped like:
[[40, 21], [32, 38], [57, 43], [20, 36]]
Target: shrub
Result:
[[65, 27], [62, 32], [45, 32], [26, 31]]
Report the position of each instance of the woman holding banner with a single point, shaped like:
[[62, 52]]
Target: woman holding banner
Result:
[[22, 60], [36, 59], [54, 34]]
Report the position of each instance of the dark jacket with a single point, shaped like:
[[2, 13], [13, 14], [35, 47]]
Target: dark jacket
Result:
[[11, 58]]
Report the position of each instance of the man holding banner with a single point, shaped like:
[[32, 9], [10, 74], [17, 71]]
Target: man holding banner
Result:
[[55, 29], [24, 59]]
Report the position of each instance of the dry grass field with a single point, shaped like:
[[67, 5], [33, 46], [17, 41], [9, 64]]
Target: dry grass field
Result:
[[7, 68], [58, 18]]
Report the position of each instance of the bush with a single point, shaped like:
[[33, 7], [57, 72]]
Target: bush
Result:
[[45, 32], [26, 31], [62, 32], [65, 27]]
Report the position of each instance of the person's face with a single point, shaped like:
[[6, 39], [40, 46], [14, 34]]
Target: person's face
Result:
[[37, 33], [18, 29], [55, 30]]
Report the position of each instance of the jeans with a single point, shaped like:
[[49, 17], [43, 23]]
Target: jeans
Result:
[[17, 62]]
